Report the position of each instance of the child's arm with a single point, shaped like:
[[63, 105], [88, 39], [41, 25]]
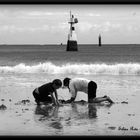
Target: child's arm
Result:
[[73, 94], [53, 99], [56, 96]]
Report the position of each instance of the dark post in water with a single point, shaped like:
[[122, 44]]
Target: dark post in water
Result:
[[72, 39], [100, 43]]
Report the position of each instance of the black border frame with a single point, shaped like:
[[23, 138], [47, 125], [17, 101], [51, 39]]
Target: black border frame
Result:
[[68, 2]]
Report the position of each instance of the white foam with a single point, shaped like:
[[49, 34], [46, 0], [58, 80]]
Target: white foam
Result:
[[50, 68]]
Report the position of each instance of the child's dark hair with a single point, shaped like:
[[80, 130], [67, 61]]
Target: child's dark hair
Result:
[[66, 81], [57, 82]]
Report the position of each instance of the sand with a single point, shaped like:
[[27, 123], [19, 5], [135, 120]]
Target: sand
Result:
[[20, 116], [24, 117]]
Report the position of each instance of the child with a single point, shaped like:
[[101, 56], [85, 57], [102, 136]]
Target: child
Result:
[[87, 86], [45, 92]]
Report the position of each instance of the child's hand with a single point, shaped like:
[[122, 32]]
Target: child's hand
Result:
[[59, 104], [68, 101]]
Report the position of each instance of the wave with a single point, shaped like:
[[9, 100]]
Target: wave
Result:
[[50, 68]]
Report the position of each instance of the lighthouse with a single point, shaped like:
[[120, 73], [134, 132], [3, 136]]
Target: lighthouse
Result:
[[72, 38], [100, 43]]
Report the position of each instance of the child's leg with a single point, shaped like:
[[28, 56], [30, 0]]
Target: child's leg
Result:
[[92, 86], [47, 100], [102, 99], [36, 97]]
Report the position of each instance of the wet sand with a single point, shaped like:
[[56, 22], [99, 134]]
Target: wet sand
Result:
[[21, 117]]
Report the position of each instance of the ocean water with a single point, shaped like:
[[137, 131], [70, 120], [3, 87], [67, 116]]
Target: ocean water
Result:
[[90, 59], [115, 68]]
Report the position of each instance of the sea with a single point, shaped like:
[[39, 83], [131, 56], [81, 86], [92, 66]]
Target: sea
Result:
[[114, 67]]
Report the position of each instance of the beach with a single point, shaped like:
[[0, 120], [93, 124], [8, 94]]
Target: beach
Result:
[[115, 69]]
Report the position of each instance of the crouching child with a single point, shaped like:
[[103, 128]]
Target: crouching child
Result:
[[47, 93]]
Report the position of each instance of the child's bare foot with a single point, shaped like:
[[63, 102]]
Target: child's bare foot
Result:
[[109, 100], [105, 96]]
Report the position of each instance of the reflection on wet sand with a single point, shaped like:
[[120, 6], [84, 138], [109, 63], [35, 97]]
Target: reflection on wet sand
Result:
[[49, 113], [92, 111], [45, 110], [68, 115], [84, 111]]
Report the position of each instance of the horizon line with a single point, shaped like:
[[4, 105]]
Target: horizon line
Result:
[[78, 44]]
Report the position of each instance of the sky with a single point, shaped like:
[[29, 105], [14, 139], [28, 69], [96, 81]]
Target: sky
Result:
[[48, 24]]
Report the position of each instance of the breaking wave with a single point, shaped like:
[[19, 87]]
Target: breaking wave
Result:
[[50, 68]]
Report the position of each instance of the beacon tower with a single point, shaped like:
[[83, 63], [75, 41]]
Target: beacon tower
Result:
[[100, 43], [72, 38]]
